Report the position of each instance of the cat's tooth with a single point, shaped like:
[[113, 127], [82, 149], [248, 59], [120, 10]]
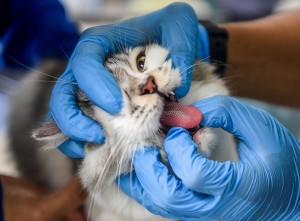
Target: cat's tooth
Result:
[[166, 94]]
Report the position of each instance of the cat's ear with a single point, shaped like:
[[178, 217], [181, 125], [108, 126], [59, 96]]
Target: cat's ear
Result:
[[49, 134]]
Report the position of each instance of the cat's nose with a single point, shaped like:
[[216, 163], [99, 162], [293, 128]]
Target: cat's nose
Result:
[[150, 87]]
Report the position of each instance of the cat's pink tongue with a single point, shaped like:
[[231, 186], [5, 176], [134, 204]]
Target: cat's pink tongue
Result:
[[176, 114]]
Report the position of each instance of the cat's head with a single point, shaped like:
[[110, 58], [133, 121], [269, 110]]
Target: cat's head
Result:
[[146, 78], [143, 71]]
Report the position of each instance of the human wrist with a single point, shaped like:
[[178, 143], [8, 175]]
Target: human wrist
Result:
[[203, 50], [217, 45]]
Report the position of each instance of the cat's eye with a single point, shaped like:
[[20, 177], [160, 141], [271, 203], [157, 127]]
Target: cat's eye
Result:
[[140, 62]]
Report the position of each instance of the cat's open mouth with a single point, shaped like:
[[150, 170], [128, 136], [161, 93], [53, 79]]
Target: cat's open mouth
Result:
[[174, 113]]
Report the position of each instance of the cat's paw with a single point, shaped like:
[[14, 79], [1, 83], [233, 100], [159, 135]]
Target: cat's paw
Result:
[[206, 138]]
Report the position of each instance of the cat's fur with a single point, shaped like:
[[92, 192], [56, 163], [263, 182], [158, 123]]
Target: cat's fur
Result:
[[137, 126]]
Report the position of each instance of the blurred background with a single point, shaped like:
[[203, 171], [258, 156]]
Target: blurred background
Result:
[[88, 13]]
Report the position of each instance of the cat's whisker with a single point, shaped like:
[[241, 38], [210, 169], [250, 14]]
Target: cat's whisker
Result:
[[100, 183], [91, 207], [65, 53], [128, 151], [127, 146], [186, 68], [204, 59], [113, 154], [169, 48], [131, 167], [115, 150], [218, 62], [59, 81], [124, 156], [104, 171], [143, 121], [195, 64], [118, 43], [32, 69], [226, 78]]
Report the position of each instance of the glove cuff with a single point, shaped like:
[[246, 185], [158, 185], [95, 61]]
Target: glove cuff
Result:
[[217, 45]]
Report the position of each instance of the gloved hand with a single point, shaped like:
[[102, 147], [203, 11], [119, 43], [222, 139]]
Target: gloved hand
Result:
[[175, 27], [262, 185]]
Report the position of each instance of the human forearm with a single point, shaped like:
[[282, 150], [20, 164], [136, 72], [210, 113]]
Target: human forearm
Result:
[[25, 200], [264, 58]]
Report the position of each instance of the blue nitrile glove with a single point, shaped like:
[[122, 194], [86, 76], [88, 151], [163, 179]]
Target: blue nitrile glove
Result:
[[263, 185], [175, 27]]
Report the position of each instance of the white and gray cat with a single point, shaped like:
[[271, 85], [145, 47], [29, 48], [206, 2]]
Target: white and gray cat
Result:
[[147, 81]]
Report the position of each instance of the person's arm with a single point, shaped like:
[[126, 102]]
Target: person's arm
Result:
[[24, 200], [264, 58]]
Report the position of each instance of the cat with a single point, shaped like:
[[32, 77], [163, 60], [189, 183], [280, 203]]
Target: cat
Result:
[[147, 80]]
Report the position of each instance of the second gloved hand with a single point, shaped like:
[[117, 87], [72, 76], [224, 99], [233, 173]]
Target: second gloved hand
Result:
[[263, 185], [174, 27]]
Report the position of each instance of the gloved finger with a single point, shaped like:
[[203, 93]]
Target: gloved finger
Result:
[[165, 190], [197, 172], [93, 78], [72, 148], [181, 42], [64, 109], [245, 122]]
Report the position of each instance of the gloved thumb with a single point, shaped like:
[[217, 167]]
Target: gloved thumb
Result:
[[197, 172], [245, 122], [258, 132]]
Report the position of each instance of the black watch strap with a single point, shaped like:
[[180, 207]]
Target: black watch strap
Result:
[[218, 45]]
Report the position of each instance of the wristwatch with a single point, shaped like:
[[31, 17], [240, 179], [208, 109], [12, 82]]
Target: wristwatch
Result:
[[218, 45]]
